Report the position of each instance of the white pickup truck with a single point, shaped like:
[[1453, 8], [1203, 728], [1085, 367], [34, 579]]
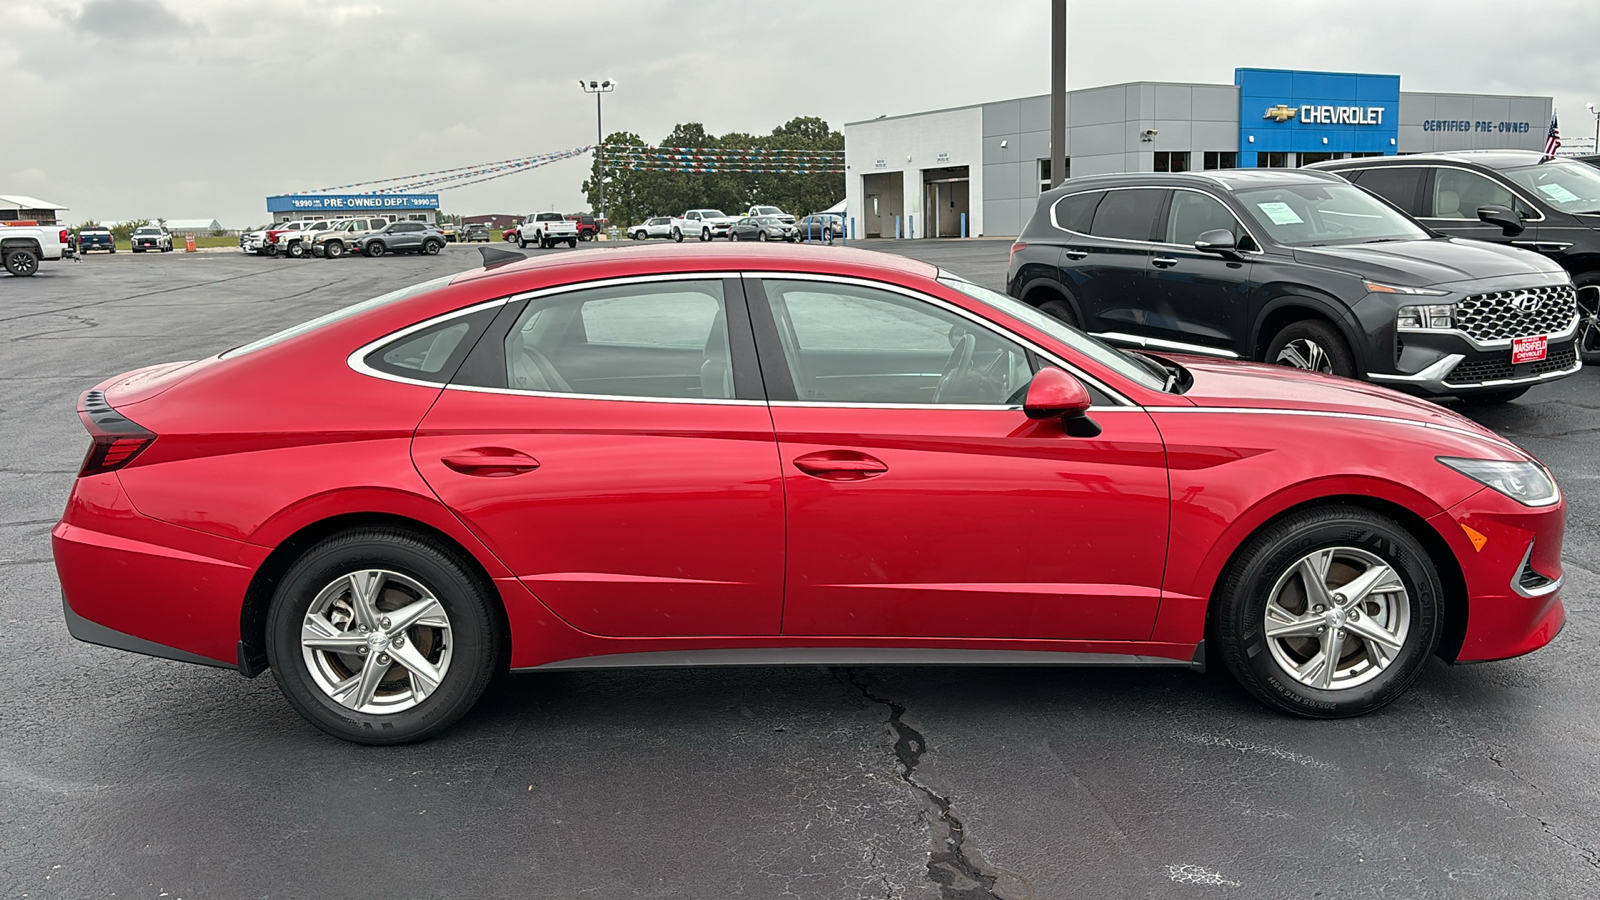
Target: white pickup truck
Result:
[[24, 245], [547, 229], [705, 224]]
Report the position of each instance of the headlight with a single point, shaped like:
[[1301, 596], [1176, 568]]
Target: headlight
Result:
[[1527, 483], [1377, 288], [1425, 318]]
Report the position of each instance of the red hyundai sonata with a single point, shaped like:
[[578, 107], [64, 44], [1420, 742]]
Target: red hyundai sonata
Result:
[[744, 455]]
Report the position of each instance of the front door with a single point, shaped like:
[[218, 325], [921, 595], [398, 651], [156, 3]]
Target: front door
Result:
[[923, 503], [622, 463]]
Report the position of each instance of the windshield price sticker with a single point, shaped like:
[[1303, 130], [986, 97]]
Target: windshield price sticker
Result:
[[1280, 213], [1557, 193], [1529, 349]]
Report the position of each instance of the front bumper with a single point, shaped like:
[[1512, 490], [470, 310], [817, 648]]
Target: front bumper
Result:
[[1452, 366]]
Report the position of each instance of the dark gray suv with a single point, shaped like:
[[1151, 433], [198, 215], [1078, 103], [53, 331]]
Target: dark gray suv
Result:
[[1298, 268]]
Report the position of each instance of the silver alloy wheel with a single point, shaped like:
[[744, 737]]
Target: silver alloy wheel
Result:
[[1589, 320], [376, 641], [1337, 618], [1304, 353]]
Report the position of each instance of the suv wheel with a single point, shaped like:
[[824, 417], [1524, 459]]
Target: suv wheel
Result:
[[333, 249], [1312, 345], [1060, 309], [677, 235], [21, 262], [432, 248], [375, 248], [1588, 339]]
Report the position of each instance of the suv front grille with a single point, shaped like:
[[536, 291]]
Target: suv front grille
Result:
[[1497, 317], [1478, 371]]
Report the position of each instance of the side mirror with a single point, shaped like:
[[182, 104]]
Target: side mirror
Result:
[[1053, 394], [1217, 240], [1510, 223]]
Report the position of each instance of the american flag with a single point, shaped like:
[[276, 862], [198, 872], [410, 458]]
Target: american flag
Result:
[[1552, 141]]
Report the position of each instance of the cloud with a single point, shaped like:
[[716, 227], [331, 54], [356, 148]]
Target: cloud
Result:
[[129, 20]]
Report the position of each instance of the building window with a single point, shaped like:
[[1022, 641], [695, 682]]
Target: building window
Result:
[[1172, 161], [1222, 159], [1307, 159], [1272, 160], [1044, 173], [1363, 155]]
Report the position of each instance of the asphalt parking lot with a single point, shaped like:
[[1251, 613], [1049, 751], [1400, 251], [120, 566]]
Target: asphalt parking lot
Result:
[[135, 777]]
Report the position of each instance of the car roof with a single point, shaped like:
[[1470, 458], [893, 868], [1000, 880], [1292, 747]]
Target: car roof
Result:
[[1227, 179], [1489, 159], [598, 263]]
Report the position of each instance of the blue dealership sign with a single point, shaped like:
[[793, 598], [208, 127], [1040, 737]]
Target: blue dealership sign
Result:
[[350, 203], [1282, 110]]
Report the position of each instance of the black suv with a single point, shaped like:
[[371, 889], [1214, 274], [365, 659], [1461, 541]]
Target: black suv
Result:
[[1517, 197], [1298, 268]]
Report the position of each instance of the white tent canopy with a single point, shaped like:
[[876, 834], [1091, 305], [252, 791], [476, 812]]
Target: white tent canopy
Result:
[[836, 209], [195, 225]]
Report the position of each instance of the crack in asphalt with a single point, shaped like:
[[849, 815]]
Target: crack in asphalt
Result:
[[958, 875]]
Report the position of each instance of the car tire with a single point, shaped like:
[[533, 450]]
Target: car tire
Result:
[[733, 235], [297, 250], [374, 248], [21, 262], [761, 236], [271, 252], [637, 235], [458, 640], [1314, 345], [113, 250], [432, 248], [333, 250], [1062, 310], [705, 234], [1268, 582], [677, 235], [521, 244], [1493, 398], [1588, 339]]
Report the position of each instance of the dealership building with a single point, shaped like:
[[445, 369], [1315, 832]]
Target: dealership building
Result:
[[922, 175], [394, 207]]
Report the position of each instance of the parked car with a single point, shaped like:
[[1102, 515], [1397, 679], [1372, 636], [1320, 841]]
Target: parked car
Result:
[[822, 479], [762, 228], [151, 238], [1299, 268], [588, 226], [1518, 198], [401, 237], [547, 229], [758, 211], [293, 239], [705, 224], [654, 227], [448, 229], [510, 233], [258, 241], [96, 237], [23, 245], [344, 236], [821, 227], [476, 232]]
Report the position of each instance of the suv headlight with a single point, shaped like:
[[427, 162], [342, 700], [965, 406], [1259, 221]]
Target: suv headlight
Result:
[[1434, 317], [1376, 288], [1527, 483]]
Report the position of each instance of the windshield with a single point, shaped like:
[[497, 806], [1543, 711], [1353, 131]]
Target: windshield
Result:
[[1104, 354], [713, 214], [338, 314], [768, 211], [768, 220], [1571, 187], [1314, 215], [148, 231]]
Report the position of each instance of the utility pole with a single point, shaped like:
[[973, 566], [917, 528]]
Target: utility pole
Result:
[[1058, 91], [597, 88]]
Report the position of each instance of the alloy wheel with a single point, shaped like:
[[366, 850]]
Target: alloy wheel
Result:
[[1337, 618], [376, 641], [1589, 322], [1303, 353]]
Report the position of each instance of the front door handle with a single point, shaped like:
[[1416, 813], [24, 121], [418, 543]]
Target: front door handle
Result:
[[840, 465], [1076, 254], [490, 462], [1163, 262]]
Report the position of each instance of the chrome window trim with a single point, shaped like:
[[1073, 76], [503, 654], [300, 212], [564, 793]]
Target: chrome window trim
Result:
[[1150, 343], [1445, 165], [1145, 187], [1366, 417], [992, 327]]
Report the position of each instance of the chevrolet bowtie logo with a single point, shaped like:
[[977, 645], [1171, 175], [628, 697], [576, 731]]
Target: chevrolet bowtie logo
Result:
[[1280, 113]]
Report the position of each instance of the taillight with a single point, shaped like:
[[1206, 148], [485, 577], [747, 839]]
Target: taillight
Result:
[[64, 237], [115, 439], [1019, 245]]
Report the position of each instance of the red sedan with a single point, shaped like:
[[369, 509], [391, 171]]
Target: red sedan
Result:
[[754, 455]]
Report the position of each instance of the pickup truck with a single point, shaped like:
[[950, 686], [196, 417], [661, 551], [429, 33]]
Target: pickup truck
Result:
[[705, 224], [547, 229], [344, 236], [24, 244], [293, 239], [780, 215], [96, 237]]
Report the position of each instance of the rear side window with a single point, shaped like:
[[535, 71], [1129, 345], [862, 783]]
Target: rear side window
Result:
[[1075, 212], [1127, 215], [1398, 185]]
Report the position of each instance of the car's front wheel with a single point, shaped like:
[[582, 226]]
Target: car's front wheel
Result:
[[1312, 345], [333, 250], [1589, 317], [375, 248], [379, 636], [1329, 612]]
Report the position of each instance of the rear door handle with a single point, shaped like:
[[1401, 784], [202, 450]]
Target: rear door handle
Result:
[[840, 465], [1076, 254], [490, 462], [1163, 262]]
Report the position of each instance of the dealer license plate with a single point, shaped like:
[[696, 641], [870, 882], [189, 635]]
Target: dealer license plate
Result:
[[1529, 349]]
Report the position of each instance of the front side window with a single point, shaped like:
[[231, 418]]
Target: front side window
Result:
[[1192, 214], [1127, 215], [1571, 187], [1457, 194], [847, 343], [1313, 215], [667, 340]]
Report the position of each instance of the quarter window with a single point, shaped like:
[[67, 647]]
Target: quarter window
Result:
[[667, 340], [1127, 215], [852, 344], [1457, 194]]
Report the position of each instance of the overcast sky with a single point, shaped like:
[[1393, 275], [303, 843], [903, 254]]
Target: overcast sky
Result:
[[202, 108]]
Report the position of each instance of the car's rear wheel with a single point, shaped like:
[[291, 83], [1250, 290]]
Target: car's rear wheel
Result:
[[432, 248], [21, 262], [375, 248], [1312, 345], [1060, 309], [677, 235], [1588, 317], [379, 636], [1329, 612]]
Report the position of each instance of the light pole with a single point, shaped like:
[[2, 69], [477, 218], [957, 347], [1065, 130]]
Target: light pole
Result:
[[598, 88], [1596, 113]]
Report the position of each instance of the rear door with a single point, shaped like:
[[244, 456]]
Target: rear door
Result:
[[1200, 299], [1108, 269], [611, 445]]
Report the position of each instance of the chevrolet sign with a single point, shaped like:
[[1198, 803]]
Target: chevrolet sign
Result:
[[1327, 115], [1280, 113]]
